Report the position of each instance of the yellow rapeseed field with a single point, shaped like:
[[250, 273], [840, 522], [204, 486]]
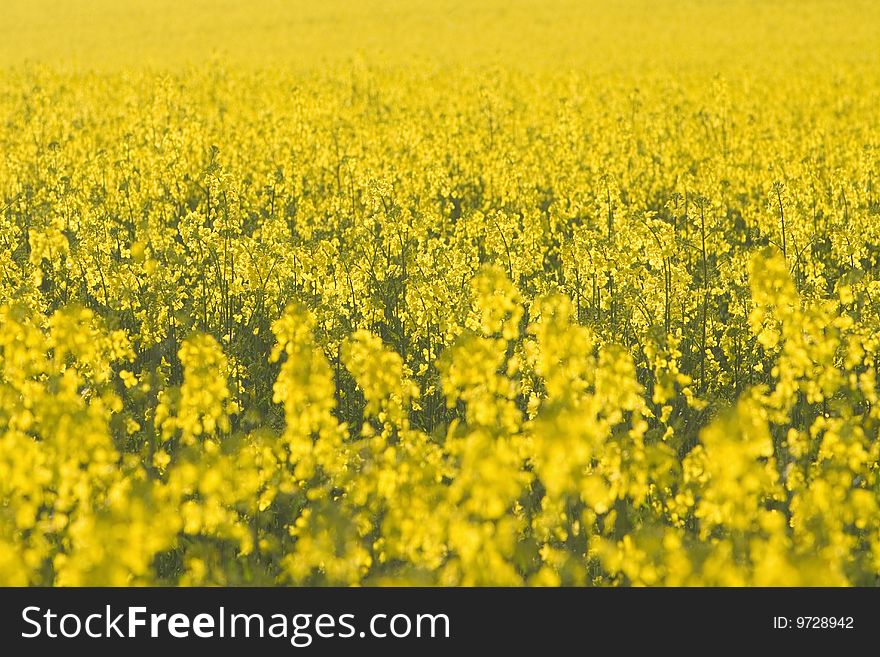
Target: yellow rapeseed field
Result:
[[500, 292]]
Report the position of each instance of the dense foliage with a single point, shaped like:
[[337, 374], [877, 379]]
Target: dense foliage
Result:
[[460, 323]]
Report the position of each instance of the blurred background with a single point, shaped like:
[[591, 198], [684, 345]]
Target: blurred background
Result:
[[107, 34]]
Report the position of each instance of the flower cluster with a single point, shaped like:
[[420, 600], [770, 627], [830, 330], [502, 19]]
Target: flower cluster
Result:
[[457, 324]]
